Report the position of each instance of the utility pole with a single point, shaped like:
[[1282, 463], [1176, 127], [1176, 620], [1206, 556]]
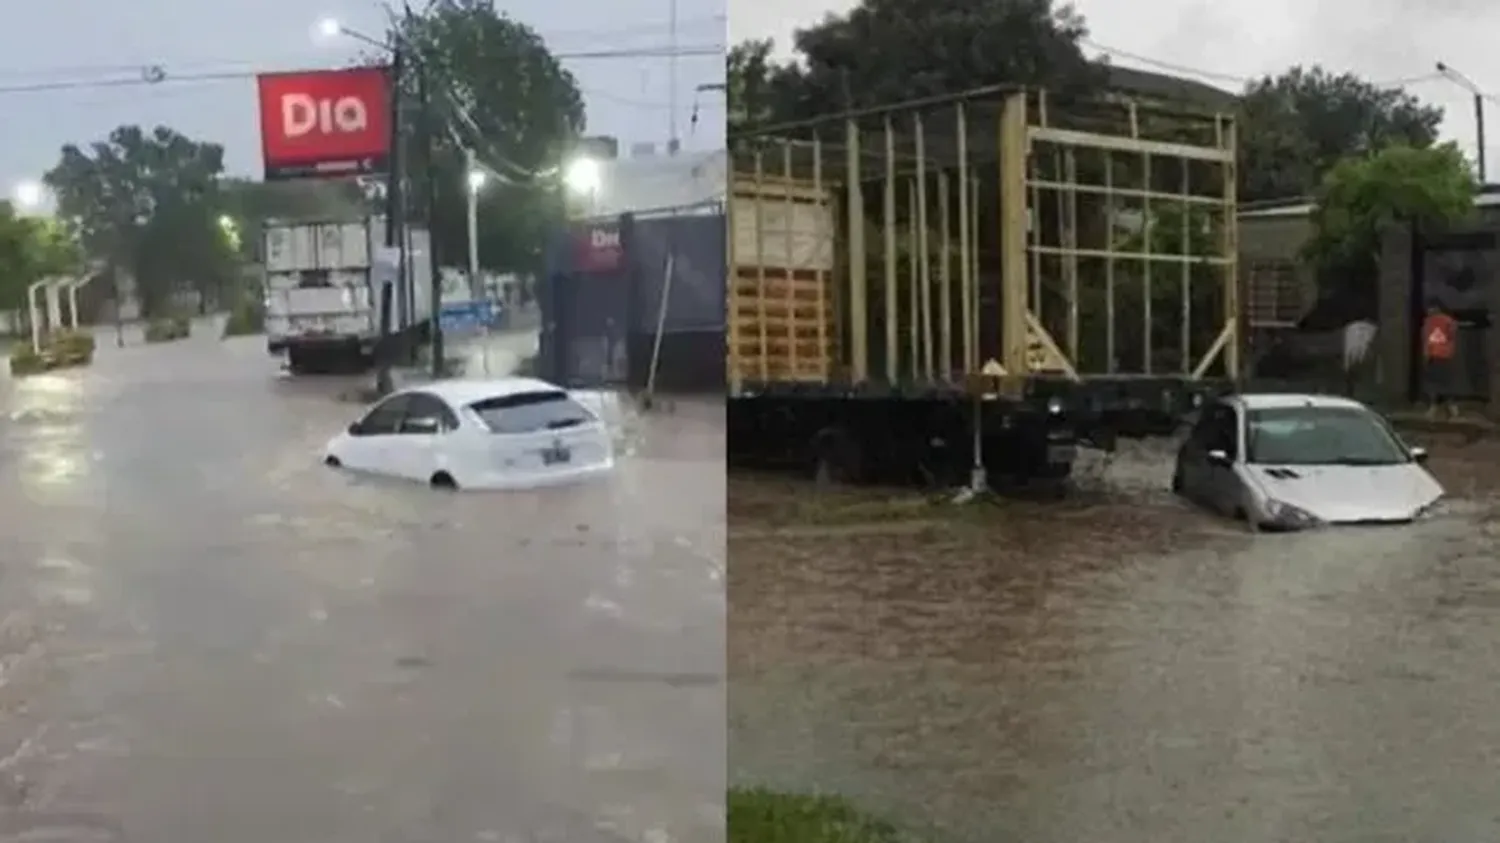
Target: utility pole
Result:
[[429, 184], [673, 141], [395, 222]]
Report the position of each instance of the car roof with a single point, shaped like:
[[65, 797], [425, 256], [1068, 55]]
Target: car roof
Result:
[[463, 392], [1279, 400]]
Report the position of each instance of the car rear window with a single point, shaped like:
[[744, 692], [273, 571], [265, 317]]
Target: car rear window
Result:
[[531, 412]]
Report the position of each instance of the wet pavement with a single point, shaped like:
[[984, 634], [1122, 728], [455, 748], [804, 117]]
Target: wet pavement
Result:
[[207, 635], [1119, 667]]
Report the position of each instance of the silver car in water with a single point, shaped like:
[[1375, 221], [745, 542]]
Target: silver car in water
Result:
[[1297, 461]]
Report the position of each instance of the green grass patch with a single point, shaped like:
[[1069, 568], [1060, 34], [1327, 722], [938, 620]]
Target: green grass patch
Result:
[[757, 815], [168, 329]]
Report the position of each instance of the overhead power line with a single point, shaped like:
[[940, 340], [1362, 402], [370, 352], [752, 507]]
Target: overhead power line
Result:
[[201, 64], [1240, 79], [153, 75]]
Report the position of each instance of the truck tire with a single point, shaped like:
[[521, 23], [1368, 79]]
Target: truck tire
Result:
[[837, 459]]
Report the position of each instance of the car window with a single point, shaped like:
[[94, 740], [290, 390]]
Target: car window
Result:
[[1321, 436], [384, 418], [425, 406], [530, 412]]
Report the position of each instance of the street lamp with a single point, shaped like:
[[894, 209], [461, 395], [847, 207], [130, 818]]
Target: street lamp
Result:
[[1474, 90], [476, 179], [582, 176], [30, 195]]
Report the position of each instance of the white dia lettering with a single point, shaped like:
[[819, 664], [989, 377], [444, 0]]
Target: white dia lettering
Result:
[[602, 239], [301, 115]]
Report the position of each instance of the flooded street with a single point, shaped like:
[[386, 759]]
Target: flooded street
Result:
[[207, 635], [1118, 667]]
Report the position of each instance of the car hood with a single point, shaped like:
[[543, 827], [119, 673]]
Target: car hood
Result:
[[1350, 493]]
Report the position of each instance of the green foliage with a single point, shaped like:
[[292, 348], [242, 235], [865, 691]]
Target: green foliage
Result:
[[24, 361], [31, 248], [1360, 195], [1293, 127], [247, 317], [886, 51], [60, 350], [251, 204], [168, 329], [1298, 125], [493, 86], [149, 203], [756, 815], [70, 348]]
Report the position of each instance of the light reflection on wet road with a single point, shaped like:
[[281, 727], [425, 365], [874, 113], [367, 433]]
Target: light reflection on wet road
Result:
[[206, 635], [1123, 669]]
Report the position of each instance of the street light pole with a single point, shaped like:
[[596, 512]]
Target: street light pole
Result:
[[1478, 94], [473, 181], [425, 135], [395, 223]]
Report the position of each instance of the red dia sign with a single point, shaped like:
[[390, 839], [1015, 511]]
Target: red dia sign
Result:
[[325, 123], [597, 248]]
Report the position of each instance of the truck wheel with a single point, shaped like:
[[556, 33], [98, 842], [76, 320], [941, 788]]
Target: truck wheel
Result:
[[836, 459]]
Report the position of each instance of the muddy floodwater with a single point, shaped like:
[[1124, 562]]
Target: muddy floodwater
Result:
[[206, 635], [1119, 667]]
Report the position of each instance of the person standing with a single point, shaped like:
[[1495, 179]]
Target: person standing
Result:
[[1439, 353]]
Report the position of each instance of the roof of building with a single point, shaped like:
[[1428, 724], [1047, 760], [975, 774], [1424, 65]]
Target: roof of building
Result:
[[1301, 206], [660, 182]]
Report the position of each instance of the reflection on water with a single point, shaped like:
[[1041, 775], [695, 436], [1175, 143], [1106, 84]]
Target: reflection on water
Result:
[[1120, 667], [205, 590]]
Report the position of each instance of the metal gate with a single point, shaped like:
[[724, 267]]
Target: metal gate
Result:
[[988, 234], [586, 308]]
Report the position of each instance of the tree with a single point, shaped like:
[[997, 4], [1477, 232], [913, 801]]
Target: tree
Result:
[[493, 87], [31, 248], [886, 51], [148, 204], [1361, 195], [251, 203], [1296, 126]]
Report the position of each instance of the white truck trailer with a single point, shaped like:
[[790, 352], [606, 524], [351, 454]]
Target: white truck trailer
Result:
[[322, 289]]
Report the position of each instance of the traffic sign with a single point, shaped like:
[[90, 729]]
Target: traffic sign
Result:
[[466, 317]]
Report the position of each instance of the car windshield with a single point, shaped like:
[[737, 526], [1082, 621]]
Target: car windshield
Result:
[[1320, 436], [531, 412]]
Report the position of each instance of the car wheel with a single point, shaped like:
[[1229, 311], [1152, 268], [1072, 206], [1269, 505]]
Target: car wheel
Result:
[[332, 461], [443, 480]]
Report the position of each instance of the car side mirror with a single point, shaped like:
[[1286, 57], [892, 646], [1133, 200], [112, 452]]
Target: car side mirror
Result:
[[1418, 455], [354, 428], [1219, 457]]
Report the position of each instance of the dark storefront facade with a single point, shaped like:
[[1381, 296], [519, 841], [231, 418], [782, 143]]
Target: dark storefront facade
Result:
[[621, 292]]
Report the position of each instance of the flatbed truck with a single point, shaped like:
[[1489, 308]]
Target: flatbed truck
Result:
[[967, 290]]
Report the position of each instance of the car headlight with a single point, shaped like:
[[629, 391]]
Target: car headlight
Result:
[[1054, 406], [1286, 515]]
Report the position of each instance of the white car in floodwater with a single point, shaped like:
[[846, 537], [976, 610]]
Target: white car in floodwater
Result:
[[1297, 461], [506, 433]]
